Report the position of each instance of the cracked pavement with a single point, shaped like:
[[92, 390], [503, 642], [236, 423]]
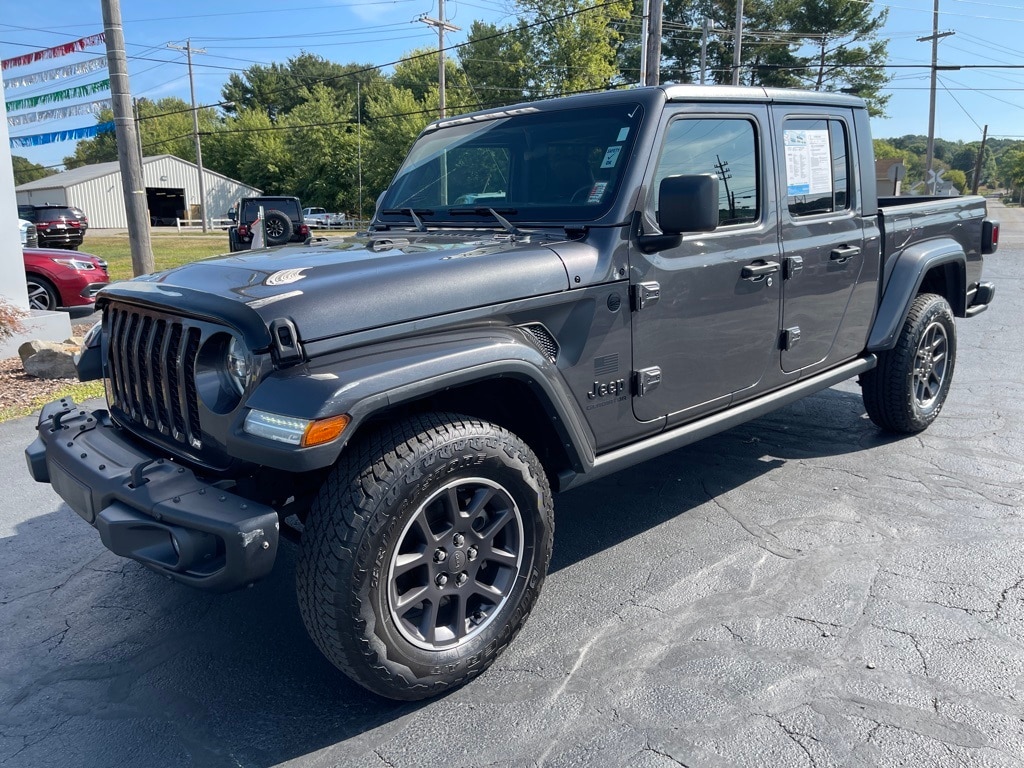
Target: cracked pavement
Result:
[[799, 591]]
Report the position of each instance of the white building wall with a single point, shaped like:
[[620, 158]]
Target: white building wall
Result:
[[102, 200], [50, 195]]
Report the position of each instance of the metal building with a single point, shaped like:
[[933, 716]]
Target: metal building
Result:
[[172, 191]]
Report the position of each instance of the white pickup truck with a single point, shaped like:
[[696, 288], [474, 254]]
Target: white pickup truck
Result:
[[319, 217]]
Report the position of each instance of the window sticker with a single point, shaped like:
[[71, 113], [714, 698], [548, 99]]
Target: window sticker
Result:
[[597, 192], [808, 162], [623, 134], [611, 157]]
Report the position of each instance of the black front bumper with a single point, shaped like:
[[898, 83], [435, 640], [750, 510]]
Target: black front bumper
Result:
[[148, 508]]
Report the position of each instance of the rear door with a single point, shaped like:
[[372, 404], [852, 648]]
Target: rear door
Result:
[[705, 325], [822, 233]]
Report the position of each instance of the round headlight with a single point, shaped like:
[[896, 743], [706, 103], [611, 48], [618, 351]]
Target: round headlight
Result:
[[239, 364]]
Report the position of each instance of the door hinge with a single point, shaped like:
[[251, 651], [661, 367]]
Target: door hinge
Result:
[[790, 337], [792, 266], [646, 380], [646, 295]]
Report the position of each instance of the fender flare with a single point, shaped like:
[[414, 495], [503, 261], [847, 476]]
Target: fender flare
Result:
[[363, 381], [905, 281]]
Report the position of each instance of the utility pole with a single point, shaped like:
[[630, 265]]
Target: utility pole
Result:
[[934, 37], [737, 42], [645, 32], [977, 164], [138, 127], [195, 125], [442, 26], [652, 73], [130, 161], [704, 35], [359, 145]]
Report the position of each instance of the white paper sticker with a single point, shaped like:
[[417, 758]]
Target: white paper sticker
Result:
[[597, 192], [623, 134], [611, 157], [808, 162]]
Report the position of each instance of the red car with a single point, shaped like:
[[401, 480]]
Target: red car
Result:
[[60, 278]]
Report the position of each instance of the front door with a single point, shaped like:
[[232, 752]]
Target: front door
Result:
[[822, 233], [706, 312]]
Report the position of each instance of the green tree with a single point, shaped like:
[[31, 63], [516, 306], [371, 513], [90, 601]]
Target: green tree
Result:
[[165, 127], [324, 150], [957, 178], [395, 120], [276, 89], [886, 150], [25, 170], [497, 63], [576, 47], [102, 148], [847, 51], [418, 75]]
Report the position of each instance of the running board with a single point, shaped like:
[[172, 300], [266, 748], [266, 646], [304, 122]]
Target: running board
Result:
[[663, 442]]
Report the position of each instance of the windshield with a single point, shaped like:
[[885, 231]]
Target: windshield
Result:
[[533, 165]]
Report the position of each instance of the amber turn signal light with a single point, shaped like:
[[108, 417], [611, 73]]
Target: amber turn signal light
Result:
[[324, 430]]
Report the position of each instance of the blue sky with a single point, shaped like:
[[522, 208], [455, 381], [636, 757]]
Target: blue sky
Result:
[[380, 31]]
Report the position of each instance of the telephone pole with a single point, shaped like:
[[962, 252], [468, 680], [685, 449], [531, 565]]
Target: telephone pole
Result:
[[935, 36], [195, 125], [737, 43], [128, 157], [442, 26], [977, 165], [652, 45]]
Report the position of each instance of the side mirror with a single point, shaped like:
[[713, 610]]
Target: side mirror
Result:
[[685, 204], [688, 204]]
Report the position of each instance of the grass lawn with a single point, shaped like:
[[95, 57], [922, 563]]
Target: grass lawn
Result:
[[169, 250]]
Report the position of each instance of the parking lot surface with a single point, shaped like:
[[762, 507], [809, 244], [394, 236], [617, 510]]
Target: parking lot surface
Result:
[[800, 591]]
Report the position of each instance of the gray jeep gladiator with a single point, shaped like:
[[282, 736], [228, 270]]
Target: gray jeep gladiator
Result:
[[547, 293]]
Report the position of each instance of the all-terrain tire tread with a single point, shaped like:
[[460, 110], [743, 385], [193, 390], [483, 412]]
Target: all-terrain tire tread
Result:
[[330, 545]]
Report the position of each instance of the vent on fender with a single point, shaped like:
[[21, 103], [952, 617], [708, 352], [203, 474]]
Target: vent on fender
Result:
[[542, 337]]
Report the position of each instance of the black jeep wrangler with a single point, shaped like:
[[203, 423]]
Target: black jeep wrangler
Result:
[[282, 221]]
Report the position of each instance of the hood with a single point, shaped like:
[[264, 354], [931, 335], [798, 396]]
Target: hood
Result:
[[358, 283]]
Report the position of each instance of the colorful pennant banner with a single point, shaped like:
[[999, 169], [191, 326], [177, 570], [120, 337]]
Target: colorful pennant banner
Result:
[[66, 95], [53, 53], [88, 108], [49, 138], [71, 70]]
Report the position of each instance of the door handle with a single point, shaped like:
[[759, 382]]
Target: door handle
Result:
[[755, 272], [844, 253]]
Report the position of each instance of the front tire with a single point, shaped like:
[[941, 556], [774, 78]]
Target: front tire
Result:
[[42, 294], [906, 391], [424, 553]]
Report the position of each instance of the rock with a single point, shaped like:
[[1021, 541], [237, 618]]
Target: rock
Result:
[[30, 348], [78, 341], [52, 364]]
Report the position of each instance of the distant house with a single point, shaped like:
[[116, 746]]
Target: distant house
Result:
[[172, 191]]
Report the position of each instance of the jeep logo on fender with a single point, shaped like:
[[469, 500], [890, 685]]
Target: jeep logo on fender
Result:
[[616, 387]]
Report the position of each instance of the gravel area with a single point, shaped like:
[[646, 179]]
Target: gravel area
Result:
[[19, 389]]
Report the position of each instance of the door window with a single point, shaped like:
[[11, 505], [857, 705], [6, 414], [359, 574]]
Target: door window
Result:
[[725, 147], [817, 156]]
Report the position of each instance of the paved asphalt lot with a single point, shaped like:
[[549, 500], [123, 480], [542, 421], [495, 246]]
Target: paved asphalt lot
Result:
[[801, 591]]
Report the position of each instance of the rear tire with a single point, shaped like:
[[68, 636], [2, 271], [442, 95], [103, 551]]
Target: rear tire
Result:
[[906, 391], [424, 553]]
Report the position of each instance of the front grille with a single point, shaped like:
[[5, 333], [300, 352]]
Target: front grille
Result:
[[152, 372]]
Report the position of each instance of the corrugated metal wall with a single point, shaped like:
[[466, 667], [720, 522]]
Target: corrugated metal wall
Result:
[[103, 201], [52, 195]]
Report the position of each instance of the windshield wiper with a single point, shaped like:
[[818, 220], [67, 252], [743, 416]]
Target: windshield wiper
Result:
[[480, 211], [420, 226]]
